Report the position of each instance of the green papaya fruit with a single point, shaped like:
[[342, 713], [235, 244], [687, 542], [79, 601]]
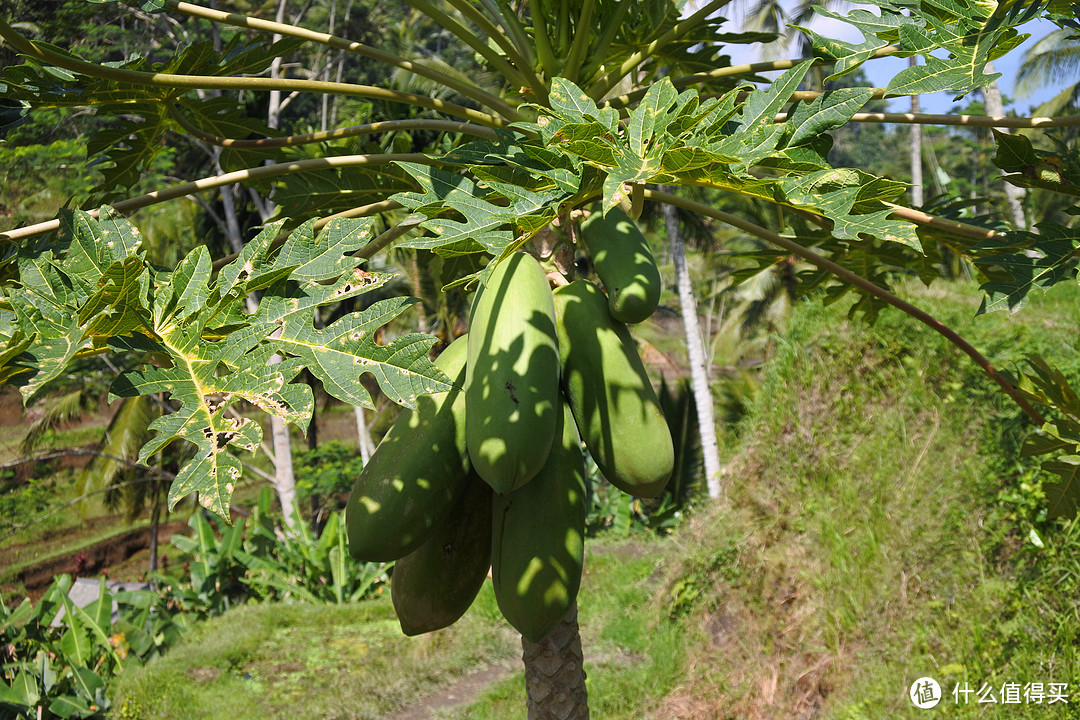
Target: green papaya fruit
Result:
[[512, 376], [538, 539], [435, 584], [415, 474], [606, 385], [624, 264]]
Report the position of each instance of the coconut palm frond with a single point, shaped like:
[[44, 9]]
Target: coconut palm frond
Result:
[[64, 409], [126, 434], [1055, 59], [1057, 105]]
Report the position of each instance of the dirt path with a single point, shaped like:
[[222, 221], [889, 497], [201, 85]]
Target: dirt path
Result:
[[462, 692]]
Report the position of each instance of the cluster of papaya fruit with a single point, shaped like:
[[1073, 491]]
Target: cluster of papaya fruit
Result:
[[492, 472]]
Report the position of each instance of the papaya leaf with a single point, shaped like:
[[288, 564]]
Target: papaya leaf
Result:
[[828, 111], [487, 226], [761, 106], [339, 354], [650, 116], [1063, 495], [571, 104], [125, 148], [1014, 152], [971, 33], [1019, 261], [315, 193], [201, 348]]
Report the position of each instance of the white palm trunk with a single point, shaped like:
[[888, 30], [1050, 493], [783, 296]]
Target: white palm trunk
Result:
[[363, 434], [916, 153], [284, 480], [1014, 195], [695, 350]]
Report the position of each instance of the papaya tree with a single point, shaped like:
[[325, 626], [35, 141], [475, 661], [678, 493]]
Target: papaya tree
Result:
[[564, 109]]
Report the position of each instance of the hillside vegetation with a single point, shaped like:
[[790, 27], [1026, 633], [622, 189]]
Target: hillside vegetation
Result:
[[878, 526]]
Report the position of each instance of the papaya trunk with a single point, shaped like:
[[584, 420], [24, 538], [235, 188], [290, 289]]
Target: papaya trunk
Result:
[[695, 352], [554, 673]]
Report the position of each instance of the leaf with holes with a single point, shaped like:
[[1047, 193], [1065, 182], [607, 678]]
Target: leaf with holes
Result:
[[339, 354]]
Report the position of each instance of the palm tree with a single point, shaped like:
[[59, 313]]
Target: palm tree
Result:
[[1053, 60], [124, 484], [695, 351]]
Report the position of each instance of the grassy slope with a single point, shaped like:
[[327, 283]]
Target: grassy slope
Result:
[[874, 531]]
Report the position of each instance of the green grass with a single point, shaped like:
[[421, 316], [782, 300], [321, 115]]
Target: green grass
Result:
[[274, 661], [261, 662], [875, 527]]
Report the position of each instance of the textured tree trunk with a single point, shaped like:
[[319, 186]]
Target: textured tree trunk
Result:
[[555, 674], [1013, 194], [695, 350], [340, 71]]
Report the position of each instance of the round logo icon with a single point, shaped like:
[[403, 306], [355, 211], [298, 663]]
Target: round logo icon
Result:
[[925, 693]]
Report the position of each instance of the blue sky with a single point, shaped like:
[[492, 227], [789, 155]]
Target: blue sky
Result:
[[882, 70]]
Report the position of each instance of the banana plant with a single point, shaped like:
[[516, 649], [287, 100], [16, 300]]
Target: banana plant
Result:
[[571, 104]]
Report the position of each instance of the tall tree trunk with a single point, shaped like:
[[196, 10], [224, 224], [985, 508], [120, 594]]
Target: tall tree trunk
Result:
[[555, 673], [155, 522], [325, 114], [273, 114], [340, 70], [363, 434], [284, 480], [916, 153], [1013, 194], [695, 350]]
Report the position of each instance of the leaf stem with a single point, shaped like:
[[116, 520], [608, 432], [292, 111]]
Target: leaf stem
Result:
[[216, 181], [543, 41], [509, 20], [467, 89], [622, 101], [329, 135], [470, 12], [512, 52], [611, 29], [175, 82], [954, 226], [602, 88], [863, 284], [582, 34], [998, 121], [470, 38]]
